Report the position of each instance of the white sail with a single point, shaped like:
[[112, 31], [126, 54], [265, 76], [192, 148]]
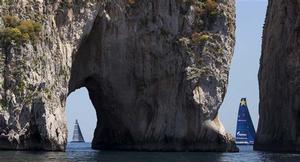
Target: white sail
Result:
[[77, 135]]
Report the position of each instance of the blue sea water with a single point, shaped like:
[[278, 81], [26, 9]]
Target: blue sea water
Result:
[[84, 153]]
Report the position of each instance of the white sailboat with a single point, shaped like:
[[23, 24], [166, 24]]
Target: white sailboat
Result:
[[77, 135]]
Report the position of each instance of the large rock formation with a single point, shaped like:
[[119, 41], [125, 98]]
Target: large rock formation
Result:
[[156, 72], [279, 79]]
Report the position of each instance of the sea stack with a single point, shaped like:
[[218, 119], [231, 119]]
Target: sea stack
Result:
[[279, 79], [156, 72]]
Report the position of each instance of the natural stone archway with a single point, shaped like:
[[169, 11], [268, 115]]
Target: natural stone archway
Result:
[[156, 72], [79, 107]]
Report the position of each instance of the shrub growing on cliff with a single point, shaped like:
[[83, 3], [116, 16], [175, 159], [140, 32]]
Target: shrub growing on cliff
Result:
[[10, 34], [29, 29], [211, 6], [19, 31], [199, 37], [10, 21], [131, 2]]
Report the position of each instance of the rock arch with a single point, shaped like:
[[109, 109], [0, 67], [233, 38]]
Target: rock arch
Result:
[[156, 72]]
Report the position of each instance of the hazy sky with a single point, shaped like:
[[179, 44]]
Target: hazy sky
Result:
[[242, 83]]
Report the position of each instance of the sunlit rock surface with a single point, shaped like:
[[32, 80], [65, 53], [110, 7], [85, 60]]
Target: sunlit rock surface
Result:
[[156, 72], [279, 79]]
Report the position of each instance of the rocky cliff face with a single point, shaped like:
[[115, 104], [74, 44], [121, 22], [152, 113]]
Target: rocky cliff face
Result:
[[38, 39], [156, 72], [279, 122]]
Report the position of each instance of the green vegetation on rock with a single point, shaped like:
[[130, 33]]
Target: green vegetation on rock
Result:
[[19, 31], [3, 103], [211, 7], [199, 37], [131, 2]]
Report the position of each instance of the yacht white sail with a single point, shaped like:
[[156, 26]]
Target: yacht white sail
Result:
[[77, 135]]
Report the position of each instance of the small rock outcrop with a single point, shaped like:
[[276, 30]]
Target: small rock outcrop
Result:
[[156, 72], [279, 79]]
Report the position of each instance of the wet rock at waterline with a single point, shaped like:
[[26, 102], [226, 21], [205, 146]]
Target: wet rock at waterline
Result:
[[279, 128], [156, 72]]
